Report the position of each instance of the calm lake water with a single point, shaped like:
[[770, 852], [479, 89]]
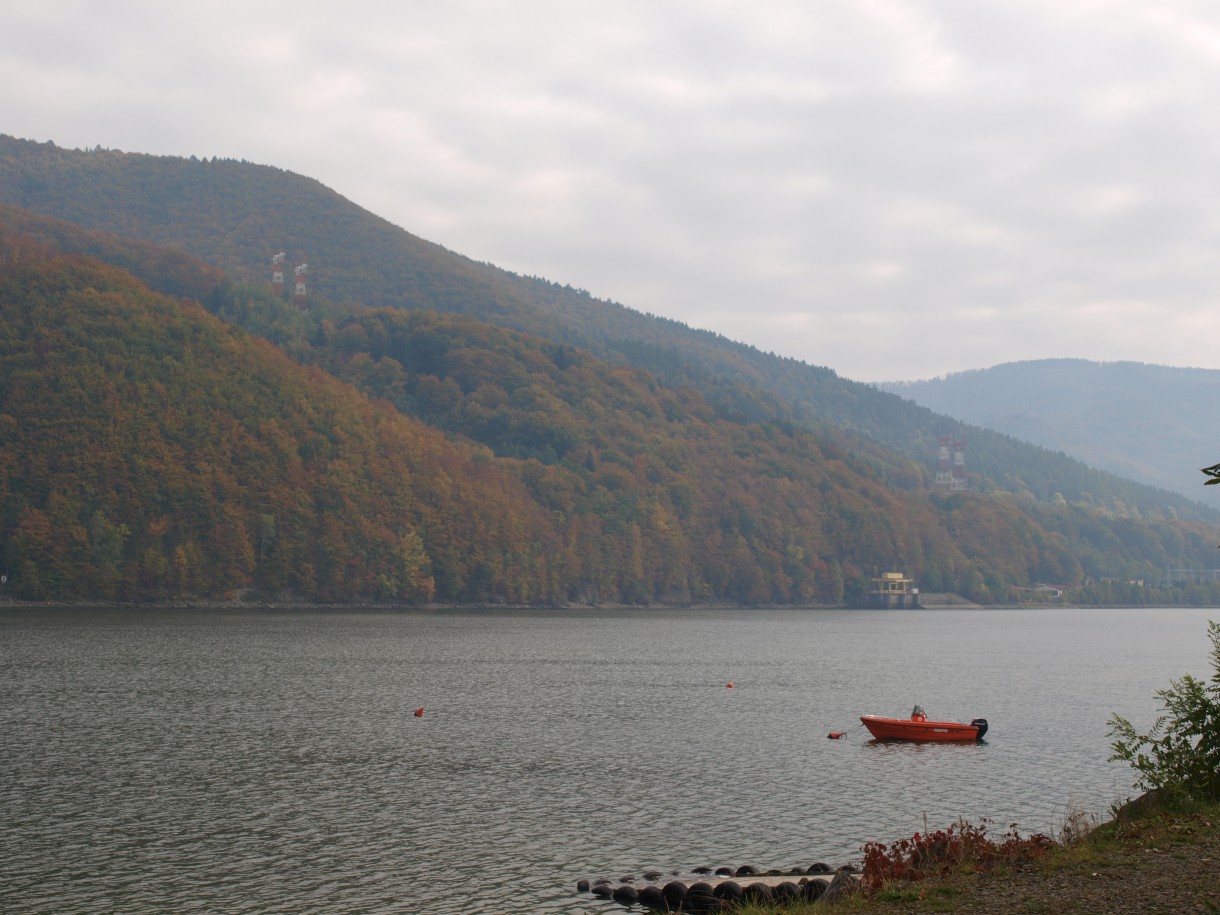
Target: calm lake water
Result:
[[193, 761]]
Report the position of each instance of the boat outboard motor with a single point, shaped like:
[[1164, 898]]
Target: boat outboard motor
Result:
[[981, 724]]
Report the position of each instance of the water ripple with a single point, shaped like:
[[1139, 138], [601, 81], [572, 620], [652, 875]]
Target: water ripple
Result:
[[194, 762]]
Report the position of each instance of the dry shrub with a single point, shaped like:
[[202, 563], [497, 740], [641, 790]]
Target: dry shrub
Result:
[[963, 846]]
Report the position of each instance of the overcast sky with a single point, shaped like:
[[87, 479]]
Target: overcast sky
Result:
[[892, 189]]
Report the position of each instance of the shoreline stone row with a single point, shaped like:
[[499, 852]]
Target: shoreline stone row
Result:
[[722, 889]]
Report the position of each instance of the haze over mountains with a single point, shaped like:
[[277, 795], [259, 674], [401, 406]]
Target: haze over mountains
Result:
[[432, 428], [1152, 423]]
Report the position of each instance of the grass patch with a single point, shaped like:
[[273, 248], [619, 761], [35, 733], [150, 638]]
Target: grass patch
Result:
[[896, 894]]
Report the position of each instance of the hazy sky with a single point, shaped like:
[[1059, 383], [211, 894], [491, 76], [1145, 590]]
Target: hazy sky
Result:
[[892, 189]]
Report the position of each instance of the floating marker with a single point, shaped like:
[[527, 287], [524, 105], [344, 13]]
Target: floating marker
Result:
[[835, 735], [728, 686], [419, 713]]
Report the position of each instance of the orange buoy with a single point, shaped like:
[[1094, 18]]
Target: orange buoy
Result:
[[835, 735], [419, 713]]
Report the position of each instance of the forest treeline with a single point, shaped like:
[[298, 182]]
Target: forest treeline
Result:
[[431, 428], [153, 453], [156, 451]]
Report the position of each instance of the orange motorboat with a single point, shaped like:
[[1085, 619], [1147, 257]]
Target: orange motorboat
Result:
[[918, 727]]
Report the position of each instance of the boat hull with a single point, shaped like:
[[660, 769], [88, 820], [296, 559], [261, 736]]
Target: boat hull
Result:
[[924, 731]]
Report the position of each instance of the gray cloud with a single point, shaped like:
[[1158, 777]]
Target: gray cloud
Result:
[[893, 189]]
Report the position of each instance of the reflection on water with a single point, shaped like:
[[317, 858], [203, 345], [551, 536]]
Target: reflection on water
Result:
[[197, 761]]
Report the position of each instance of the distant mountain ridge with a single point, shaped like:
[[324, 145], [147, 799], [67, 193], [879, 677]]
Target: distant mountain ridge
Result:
[[1150, 423]]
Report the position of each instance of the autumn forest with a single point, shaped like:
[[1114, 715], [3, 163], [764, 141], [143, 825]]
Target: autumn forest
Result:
[[429, 429]]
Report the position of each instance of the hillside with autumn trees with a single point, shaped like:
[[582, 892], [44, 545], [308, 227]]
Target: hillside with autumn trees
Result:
[[233, 215], [174, 430], [152, 452]]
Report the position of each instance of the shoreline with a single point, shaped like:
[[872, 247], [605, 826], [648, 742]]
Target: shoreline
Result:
[[955, 603]]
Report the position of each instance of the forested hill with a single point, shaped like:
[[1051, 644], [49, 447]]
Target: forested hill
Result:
[[151, 452], [1152, 423], [233, 215], [155, 451]]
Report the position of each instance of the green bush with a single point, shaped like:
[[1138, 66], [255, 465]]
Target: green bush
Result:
[[1180, 756]]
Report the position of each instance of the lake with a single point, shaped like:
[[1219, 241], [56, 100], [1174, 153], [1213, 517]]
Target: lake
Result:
[[203, 761]]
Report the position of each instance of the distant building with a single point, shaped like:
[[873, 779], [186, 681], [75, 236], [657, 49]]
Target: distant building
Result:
[[894, 591]]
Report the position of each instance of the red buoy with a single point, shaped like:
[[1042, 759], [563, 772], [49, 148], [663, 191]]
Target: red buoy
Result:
[[419, 713], [728, 686], [835, 735]]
